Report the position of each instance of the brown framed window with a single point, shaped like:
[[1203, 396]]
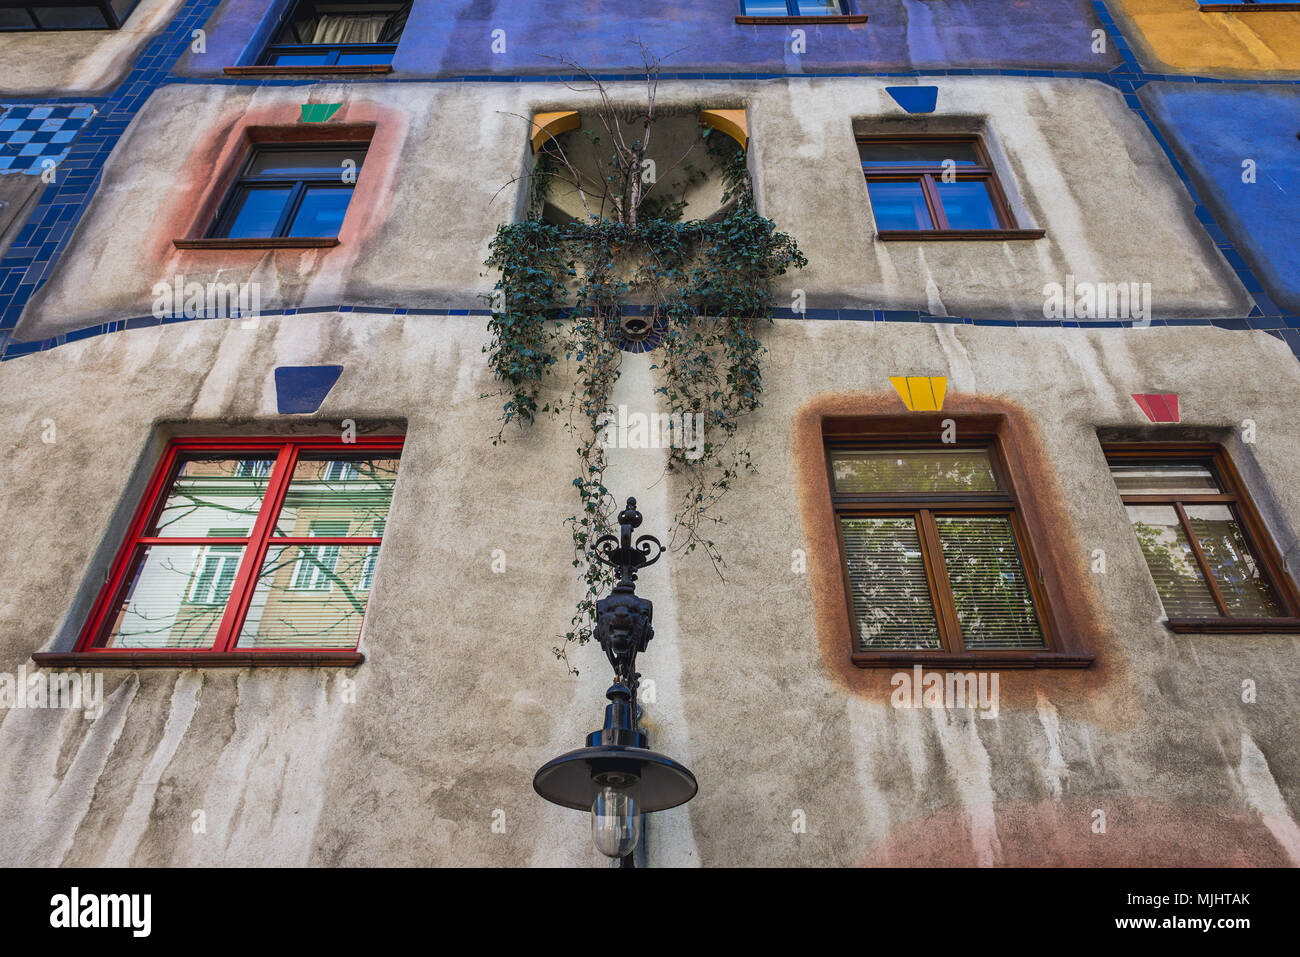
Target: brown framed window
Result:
[[936, 187], [935, 557], [1209, 554]]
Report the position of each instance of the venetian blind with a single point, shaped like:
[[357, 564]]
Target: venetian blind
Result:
[[989, 589], [891, 596]]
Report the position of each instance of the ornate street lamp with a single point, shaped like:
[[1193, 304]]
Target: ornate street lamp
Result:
[[616, 776]]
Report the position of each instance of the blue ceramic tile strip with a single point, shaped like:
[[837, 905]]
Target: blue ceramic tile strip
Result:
[[38, 246]]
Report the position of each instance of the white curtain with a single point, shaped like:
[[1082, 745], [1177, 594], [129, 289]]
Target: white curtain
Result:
[[349, 28]]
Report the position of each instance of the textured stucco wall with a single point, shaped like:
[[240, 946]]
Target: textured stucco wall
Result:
[[1076, 160], [1176, 36], [460, 698], [1215, 130], [67, 62], [457, 37]]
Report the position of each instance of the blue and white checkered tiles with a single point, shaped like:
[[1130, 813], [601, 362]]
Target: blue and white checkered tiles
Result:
[[34, 139]]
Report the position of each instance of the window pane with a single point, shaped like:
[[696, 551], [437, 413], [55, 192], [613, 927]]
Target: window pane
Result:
[[286, 613], [766, 8], [354, 494], [916, 153], [913, 470], [305, 164], [301, 59], [363, 24], [1241, 582], [123, 8], [891, 595], [1178, 578], [817, 8], [176, 596], [899, 205], [365, 57], [70, 18], [968, 205], [15, 20], [1172, 479], [256, 212], [989, 587], [322, 211], [214, 498]]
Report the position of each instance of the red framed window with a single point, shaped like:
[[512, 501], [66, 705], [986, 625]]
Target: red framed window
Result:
[[250, 545]]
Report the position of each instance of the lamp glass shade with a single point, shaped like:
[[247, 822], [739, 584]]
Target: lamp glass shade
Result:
[[616, 820]]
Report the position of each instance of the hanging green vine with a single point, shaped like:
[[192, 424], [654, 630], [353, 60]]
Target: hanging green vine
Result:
[[707, 284]]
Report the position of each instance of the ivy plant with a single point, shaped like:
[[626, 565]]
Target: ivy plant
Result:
[[706, 285]]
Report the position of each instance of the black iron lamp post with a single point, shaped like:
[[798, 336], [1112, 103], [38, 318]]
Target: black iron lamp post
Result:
[[616, 776]]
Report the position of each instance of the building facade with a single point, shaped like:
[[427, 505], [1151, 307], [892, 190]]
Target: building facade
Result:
[[1014, 580]]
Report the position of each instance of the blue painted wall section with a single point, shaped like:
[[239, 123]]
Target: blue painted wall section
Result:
[[1214, 129], [994, 33], [456, 37]]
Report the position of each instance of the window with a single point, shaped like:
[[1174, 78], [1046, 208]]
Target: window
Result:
[[260, 468], [338, 34], [934, 555], [933, 185], [65, 14], [217, 566], [372, 556], [286, 191], [340, 472], [315, 568], [793, 8], [1212, 563], [289, 566]]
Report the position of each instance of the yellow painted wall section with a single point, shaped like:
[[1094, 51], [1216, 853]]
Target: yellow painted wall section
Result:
[[1176, 36]]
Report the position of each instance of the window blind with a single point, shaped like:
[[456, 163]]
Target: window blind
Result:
[[891, 595], [994, 604], [1178, 578], [1242, 584], [913, 470]]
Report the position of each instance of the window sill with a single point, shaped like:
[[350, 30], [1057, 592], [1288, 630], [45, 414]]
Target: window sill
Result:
[[350, 69], [1249, 7], [273, 242], [198, 659], [1233, 626], [889, 235], [811, 21], [986, 661]]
